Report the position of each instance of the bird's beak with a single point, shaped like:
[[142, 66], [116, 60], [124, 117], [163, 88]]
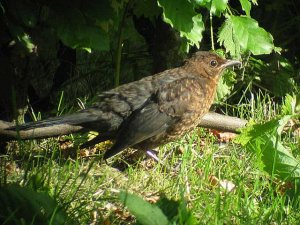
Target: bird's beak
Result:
[[231, 63]]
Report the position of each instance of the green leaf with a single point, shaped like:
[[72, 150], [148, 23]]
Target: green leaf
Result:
[[168, 207], [21, 37], [253, 131], [225, 85], [195, 35], [227, 38], [218, 6], [76, 32], [178, 14], [250, 36], [246, 6], [264, 140], [84, 37], [278, 160], [182, 16], [203, 2], [146, 213], [22, 205], [147, 8]]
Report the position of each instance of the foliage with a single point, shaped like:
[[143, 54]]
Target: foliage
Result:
[[243, 33], [265, 141], [21, 205], [87, 25], [110, 26], [182, 16], [164, 212]]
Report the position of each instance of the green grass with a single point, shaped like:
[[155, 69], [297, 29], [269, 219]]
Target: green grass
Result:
[[86, 189]]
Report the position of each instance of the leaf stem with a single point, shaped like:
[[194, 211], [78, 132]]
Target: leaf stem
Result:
[[120, 46], [211, 32]]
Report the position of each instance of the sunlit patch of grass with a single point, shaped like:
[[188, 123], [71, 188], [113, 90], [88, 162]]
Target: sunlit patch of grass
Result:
[[191, 168]]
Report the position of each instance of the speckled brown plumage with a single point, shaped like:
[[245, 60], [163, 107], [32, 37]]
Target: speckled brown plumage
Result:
[[154, 110]]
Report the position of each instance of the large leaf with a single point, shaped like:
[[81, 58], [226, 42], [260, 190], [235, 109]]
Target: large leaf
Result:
[[147, 8], [225, 85], [182, 16], [178, 14], [146, 213], [22, 205], [227, 38], [264, 141], [195, 35], [278, 160], [177, 211], [250, 36], [246, 6], [253, 131], [218, 6], [76, 32]]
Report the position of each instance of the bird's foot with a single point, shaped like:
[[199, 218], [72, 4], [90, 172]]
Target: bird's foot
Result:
[[153, 154]]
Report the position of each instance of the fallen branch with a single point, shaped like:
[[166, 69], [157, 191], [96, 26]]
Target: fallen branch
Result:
[[223, 123], [210, 120], [42, 132]]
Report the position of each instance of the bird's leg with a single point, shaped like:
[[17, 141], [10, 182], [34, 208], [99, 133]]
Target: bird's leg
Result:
[[153, 154]]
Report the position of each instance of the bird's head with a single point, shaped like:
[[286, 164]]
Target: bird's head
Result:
[[209, 64]]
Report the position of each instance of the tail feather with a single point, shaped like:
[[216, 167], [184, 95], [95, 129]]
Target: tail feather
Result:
[[73, 119]]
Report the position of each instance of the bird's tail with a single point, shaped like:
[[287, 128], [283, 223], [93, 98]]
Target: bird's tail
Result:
[[76, 119]]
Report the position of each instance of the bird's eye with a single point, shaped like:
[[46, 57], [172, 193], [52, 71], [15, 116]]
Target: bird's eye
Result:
[[213, 63]]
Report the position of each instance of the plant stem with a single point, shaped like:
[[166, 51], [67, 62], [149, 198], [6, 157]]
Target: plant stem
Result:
[[119, 47], [211, 32]]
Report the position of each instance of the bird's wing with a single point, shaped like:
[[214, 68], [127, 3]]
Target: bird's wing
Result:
[[144, 123], [159, 113]]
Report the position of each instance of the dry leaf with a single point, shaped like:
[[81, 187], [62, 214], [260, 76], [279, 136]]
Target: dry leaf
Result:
[[223, 136], [214, 181]]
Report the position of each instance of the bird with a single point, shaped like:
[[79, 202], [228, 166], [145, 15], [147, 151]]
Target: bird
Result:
[[152, 111]]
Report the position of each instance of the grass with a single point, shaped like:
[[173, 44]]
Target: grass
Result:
[[86, 189]]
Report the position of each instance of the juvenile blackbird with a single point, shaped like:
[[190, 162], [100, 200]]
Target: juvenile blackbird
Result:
[[152, 111]]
